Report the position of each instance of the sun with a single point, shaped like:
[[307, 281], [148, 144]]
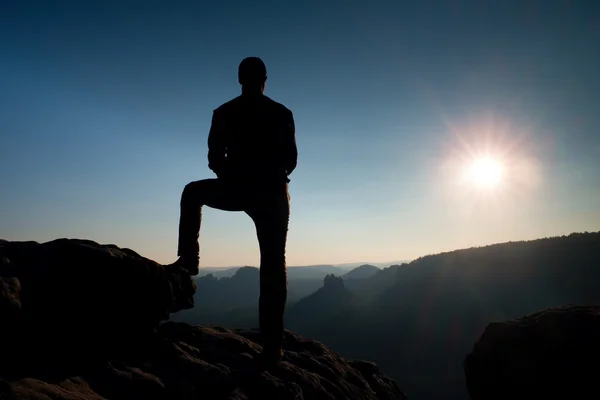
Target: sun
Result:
[[484, 172], [489, 166]]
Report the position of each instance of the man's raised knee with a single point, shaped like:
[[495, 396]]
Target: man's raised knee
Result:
[[190, 191]]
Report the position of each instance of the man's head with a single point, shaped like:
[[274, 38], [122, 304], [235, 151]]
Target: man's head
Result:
[[252, 73]]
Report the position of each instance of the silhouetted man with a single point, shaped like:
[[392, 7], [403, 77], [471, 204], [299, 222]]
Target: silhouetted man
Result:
[[252, 150]]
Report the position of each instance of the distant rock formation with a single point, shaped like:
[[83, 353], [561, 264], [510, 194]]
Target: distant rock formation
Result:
[[80, 320], [551, 354], [332, 282], [331, 301]]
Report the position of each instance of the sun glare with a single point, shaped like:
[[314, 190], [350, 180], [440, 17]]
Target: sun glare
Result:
[[488, 168], [484, 172]]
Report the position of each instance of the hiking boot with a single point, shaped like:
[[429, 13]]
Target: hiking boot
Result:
[[187, 263]]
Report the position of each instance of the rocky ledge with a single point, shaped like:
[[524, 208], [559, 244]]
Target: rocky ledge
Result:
[[551, 354], [80, 320]]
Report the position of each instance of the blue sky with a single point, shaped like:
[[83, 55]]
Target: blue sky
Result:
[[105, 109]]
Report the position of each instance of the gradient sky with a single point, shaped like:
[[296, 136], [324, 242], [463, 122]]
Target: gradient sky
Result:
[[105, 108]]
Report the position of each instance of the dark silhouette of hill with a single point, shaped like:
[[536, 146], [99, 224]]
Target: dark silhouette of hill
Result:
[[83, 321], [329, 301], [362, 272], [374, 285], [550, 354], [330, 304], [419, 329]]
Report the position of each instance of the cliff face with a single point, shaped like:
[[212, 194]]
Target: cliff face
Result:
[[83, 321], [550, 354]]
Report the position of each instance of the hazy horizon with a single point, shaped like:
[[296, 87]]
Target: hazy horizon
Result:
[[105, 109], [342, 265]]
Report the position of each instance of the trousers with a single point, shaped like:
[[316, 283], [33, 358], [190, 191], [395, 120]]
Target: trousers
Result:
[[269, 208]]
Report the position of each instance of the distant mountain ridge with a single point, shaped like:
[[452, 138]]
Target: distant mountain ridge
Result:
[[420, 327], [362, 272], [317, 271], [302, 272]]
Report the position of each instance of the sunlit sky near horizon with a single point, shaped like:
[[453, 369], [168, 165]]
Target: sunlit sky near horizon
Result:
[[422, 126]]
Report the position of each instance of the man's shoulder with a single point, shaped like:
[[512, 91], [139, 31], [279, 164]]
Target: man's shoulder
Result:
[[238, 103], [228, 105], [276, 105]]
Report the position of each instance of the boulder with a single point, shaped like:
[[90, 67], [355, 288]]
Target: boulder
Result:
[[70, 293], [552, 353]]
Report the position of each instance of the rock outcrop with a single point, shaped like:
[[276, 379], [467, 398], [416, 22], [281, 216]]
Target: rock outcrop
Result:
[[64, 291], [551, 354], [332, 282], [81, 320]]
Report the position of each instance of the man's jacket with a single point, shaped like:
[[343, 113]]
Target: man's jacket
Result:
[[252, 139]]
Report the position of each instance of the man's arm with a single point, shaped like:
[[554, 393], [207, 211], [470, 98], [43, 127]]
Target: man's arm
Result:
[[291, 150], [217, 149]]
